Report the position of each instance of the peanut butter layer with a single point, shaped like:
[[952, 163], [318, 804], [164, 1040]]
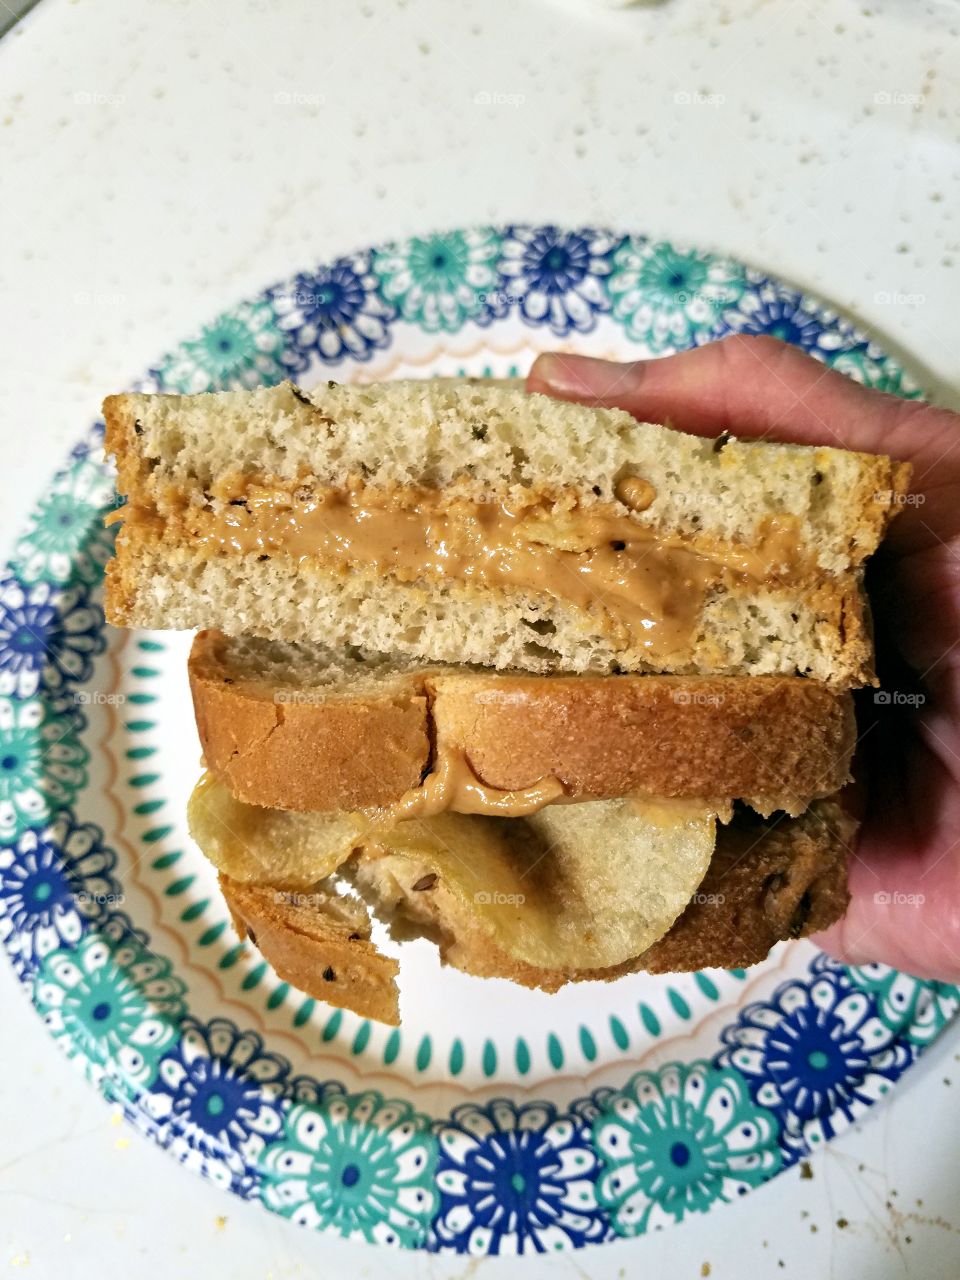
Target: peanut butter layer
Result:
[[648, 588]]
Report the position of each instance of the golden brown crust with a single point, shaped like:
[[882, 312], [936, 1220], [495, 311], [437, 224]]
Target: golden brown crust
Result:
[[315, 949], [780, 737], [273, 749], [777, 739]]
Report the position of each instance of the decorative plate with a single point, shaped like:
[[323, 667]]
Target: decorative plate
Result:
[[497, 1120]]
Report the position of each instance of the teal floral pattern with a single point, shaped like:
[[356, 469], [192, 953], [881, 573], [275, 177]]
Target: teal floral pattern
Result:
[[241, 348], [111, 1004], [440, 282], [668, 299], [866, 364], [362, 1164], [914, 1007], [66, 538], [675, 1141], [43, 763]]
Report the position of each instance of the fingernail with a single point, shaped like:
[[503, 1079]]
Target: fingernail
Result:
[[580, 376]]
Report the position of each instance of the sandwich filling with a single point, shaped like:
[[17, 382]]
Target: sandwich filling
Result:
[[649, 587]]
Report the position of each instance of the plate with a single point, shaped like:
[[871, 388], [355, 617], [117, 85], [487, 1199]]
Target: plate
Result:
[[496, 1120]]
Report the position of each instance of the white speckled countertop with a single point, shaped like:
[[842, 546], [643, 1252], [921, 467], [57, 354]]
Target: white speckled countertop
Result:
[[163, 159]]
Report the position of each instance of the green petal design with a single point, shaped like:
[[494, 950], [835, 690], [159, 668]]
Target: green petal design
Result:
[[439, 282], [66, 538], [675, 1141], [361, 1164], [43, 765], [111, 1004], [241, 348], [914, 1007], [667, 298]]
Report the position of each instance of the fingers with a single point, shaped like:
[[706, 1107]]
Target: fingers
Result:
[[904, 881], [749, 386]]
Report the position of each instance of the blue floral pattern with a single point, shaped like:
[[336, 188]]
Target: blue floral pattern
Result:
[[817, 1054], [49, 636], [217, 1094], [508, 1176], [334, 313], [558, 278], [515, 1180], [792, 317], [54, 883]]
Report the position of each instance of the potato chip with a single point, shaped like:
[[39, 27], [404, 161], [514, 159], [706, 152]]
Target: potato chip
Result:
[[269, 846], [574, 886], [578, 886]]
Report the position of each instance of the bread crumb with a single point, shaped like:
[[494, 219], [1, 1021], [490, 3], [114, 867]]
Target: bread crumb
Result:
[[842, 1222], [705, 1269], [806, 1169], [220, 1221]]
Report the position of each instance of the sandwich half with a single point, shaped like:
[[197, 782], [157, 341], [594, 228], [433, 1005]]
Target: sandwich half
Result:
[[454, 521]]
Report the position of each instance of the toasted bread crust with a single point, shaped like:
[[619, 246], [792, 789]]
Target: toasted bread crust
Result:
[[314, 950], [775, 740]]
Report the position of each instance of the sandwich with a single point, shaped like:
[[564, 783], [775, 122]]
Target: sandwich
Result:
[[566, 693]]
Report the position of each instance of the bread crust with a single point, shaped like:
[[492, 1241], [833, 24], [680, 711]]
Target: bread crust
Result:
[[315, 950], [775, 740]]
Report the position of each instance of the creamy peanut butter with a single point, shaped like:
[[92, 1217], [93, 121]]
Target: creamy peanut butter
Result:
[[454, 787], [647, 588]]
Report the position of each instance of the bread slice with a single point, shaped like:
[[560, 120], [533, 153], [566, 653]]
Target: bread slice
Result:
[[769, 880], [320, 943], [456, 521], [292, 727]]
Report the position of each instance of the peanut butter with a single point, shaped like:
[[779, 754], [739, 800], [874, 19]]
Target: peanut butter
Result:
[[646, 588], [453, 786]]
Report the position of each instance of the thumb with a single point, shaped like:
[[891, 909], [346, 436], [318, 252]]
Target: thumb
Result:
[[751, 387]]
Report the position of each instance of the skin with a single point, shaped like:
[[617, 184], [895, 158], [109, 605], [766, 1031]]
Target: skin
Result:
[[905, 870]]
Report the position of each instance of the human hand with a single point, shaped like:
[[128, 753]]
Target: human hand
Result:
[[905, 870]]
